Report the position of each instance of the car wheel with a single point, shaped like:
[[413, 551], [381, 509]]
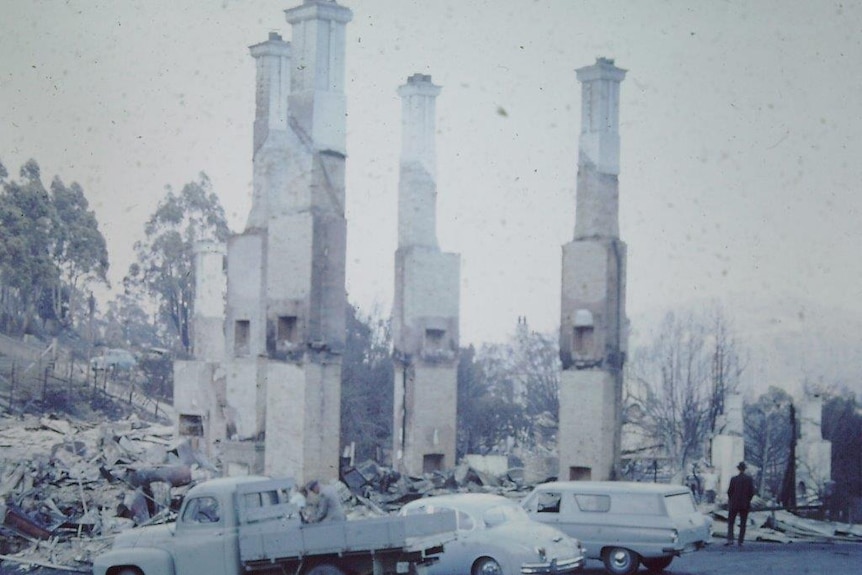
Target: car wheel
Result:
[[657, 564], [486, 566], [325, 569], [128, 571], [620, 561]]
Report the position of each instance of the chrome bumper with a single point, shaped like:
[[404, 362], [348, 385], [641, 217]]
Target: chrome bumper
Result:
[[567, 565]]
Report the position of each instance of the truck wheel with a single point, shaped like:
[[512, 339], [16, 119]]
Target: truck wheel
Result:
[[620, 561], [486, 566], [657, 564], [325, 569], [128, 571]]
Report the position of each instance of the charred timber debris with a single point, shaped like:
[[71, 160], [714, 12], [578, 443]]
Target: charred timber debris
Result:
[[66, 488]]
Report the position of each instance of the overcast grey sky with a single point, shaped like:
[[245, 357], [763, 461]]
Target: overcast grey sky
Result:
[[740, 131]]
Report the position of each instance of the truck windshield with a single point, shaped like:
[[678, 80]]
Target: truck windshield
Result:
[[679, 504], [201, 510]]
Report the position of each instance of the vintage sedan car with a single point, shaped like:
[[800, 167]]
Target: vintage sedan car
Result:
[[624, 524], [495, 537], [114, 359]]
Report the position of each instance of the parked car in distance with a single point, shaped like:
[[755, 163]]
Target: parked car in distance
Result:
[[624, 524], [114, 358], [495, 537]]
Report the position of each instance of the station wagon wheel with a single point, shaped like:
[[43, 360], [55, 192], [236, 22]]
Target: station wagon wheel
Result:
[[486, 566], [620, 561], [657, 564], [325, 569]]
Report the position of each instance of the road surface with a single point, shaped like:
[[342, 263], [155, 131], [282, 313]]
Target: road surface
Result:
[[754, 558]]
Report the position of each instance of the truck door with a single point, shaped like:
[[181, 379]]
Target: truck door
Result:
[[200, 540]]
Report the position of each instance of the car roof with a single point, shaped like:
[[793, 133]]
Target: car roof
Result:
[[468, 502], [224, 484], [613, 487]]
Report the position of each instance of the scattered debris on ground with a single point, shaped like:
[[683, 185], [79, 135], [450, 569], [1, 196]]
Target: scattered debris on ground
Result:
[[782, 526], [67, 487]]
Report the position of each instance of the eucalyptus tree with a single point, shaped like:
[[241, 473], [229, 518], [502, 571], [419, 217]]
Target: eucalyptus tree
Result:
[[79, 250], [164, 268], [27, 270]]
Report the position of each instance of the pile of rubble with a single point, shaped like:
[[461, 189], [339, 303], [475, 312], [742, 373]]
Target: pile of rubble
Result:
[[385, 490], [67, 487], [781, 526]]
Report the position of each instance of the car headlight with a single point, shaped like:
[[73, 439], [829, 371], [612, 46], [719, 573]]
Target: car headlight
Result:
[[542, 553]]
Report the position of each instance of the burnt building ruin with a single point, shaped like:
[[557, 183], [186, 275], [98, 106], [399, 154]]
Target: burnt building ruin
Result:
[[425, 309], [270, 402], [593, 324]]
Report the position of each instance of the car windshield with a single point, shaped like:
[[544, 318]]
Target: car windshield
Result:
[[679, 504]]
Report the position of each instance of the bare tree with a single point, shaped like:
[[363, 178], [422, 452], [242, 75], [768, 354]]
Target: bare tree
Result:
[[768, 434], [676, 384], [726, 367]]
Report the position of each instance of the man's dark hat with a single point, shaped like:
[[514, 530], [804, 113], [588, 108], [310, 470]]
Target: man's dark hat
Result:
[[741, 465]]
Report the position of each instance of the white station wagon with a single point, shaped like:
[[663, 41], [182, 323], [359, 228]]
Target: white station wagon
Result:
[[624, 524]]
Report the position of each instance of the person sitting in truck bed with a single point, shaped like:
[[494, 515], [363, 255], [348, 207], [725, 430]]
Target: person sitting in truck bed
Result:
[[329, 506]]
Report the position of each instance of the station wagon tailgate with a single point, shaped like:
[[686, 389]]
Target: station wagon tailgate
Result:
[[693, 527]]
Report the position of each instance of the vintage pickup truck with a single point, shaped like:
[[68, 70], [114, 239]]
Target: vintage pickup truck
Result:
[[239, 525]]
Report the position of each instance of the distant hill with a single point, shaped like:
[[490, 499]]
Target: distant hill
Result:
[[789, 342]]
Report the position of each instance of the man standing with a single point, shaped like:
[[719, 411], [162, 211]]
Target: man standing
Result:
[[328, 503], [739, 494]]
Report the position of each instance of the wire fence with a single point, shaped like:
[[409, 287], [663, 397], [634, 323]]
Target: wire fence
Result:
[[37, 385]]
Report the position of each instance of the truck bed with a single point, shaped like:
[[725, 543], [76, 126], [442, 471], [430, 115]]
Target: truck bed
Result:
[[274, 532]]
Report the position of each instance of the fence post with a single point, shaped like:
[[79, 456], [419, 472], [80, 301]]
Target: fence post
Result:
[[45, 383], [12, 387]]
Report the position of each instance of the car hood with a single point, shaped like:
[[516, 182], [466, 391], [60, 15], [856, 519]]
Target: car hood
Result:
[[144, 536], [532, 534]]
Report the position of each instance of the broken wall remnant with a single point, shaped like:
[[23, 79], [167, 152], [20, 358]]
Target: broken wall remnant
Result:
[[813, 453], [728, 446], [593, 325], [275, 389], [425, 310], [208, 320]]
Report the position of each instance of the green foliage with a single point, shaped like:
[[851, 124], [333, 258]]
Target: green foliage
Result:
[[164, 269], [50, 248], [842, 425], [508, 392], [367, 386], [79, 248]]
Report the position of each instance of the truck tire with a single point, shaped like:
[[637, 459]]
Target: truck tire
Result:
[[487, 566], [325, 569], [620, 561], [657, 564]]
